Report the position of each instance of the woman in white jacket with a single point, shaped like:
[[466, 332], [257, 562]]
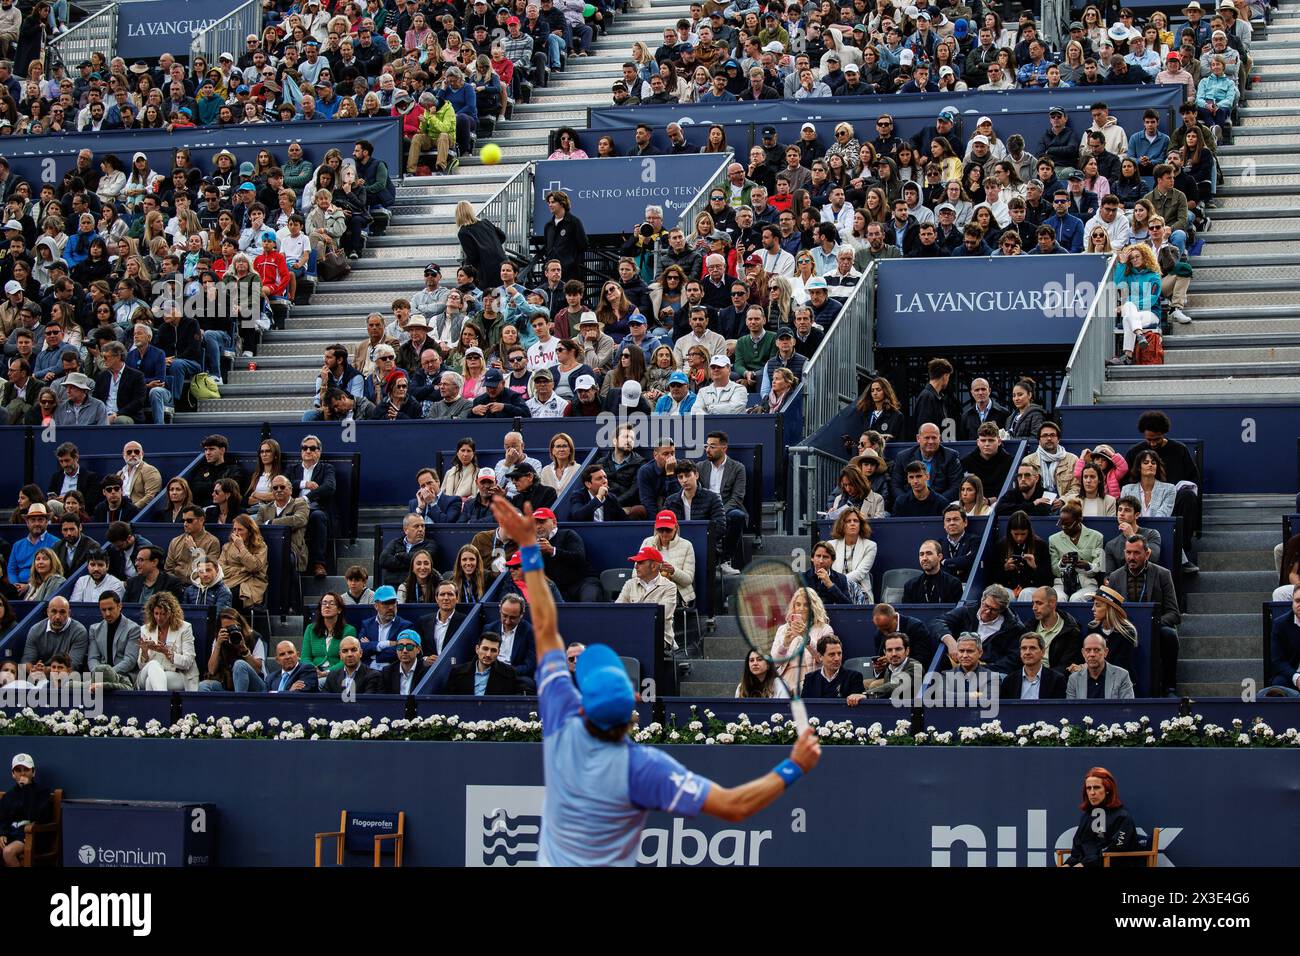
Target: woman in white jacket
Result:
[[679, 555], [855, 552], [167, 660]]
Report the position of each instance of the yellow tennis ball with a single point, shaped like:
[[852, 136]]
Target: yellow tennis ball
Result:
[[490, 154]]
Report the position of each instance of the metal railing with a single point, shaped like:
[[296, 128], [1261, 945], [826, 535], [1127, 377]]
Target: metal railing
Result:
[[511, 208], [227, 34], [686, 218], [98, 32], [831, 375], [814, 475], [1085, 372]]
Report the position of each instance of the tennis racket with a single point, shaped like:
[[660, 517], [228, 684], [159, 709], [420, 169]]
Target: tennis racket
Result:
[[767, 586]]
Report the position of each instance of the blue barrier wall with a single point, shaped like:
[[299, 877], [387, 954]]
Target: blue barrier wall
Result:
[[908, 815], [1248, 447], [45, 159], [1013, 111]]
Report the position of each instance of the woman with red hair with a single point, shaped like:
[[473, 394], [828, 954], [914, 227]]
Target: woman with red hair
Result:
[[1106, 825]]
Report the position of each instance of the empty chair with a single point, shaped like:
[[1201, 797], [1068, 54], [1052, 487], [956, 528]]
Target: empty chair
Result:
[[892, 584], [612, 581]]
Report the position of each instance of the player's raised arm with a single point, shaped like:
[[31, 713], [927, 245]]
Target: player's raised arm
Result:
[[734, 804], [522, 529]]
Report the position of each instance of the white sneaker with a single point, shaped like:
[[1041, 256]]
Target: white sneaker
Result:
[[1181, 317], [726, 568], [248, 355]]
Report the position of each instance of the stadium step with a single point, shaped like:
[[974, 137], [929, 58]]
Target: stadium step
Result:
[[1244, 342], [1220, 637]]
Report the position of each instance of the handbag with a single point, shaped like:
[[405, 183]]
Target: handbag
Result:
[[204, 387], [1149, 348], [333, 266]]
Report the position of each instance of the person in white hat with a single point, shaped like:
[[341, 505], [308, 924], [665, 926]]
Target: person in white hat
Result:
[[26, 803], [81, 408], [721, 396]]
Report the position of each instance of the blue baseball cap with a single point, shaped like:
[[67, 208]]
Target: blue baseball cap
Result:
[[608, 697], [249, 186], [386, 593], [410, 635], [678, 378]]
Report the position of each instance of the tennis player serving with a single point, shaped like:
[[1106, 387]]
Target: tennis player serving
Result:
[[600, 787]]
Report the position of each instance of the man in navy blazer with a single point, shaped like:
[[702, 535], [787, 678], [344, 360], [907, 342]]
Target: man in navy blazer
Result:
[[502, 679], [1040, 682], [295, 676], [832, 679], [449, 615], [1285, 646], [315, 481], [958, 544], [132, 398], [518, 634], [378, 635], [934, 585], [592, 497]]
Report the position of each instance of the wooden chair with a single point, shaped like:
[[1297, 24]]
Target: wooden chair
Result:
[[351, 839], [53, 855], [1151, 854]]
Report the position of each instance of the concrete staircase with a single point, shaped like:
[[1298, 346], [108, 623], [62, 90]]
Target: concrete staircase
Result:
[[422, 231], [1244, 342], [1220, 640]]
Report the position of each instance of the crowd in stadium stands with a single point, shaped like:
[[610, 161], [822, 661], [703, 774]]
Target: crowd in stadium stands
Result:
[[718, 316]]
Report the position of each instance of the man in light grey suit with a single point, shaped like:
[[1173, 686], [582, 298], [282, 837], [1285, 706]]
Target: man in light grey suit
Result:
[[114, 666], [726, 478], [1097, 680]]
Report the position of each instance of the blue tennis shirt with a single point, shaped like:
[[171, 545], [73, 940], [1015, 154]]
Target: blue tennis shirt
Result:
[[599, 794]]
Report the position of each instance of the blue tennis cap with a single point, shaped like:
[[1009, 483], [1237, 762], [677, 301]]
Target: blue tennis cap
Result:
[[607, 694], [410, 635], [386, 593]]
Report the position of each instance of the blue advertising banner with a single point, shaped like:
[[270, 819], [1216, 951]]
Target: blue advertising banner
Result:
[[1012, 111], [44, 159], [613, 193], [998, 301], [476, 804], [150, 28]]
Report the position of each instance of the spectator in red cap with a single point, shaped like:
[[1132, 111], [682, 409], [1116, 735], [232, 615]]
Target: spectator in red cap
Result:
[[564, 557], [517, 585], [678, 555], [650, 586]]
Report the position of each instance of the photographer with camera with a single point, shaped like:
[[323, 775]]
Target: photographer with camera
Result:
[[1021, 561], [645, 238], [236, 661], [1077, 554]]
